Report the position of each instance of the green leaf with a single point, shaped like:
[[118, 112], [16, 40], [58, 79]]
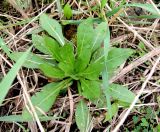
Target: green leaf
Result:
[[121, 93], [82, 61], [67, 62], [105, 78], [5, 48], [8, 79], [52, 27], [100, 102], [98, 54], [116, 57], [67, 11], [100, 34], [90, 89], [32, 61], [94, 70], [114, 109], [144, 122], [83, 117], [114, 11], [46, 97], [20, 118], [52, 71], [148, 7], [85, 36], [39, 43], [67, 54], [53, 47], [103, 3]]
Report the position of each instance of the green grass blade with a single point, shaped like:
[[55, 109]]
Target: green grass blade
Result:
[[105, 79], [8, 79], [4, 47], [20, 118]]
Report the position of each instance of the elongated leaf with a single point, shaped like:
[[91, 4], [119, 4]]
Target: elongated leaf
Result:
[[5, 47], [116, 57], [52, 27], [147, 7], [67, 55], [85, 36], [90, 89], [8, 79], [121, 93], [98, 55], [114, 11], [53, 47], [32, 61], [114, 109], [94, 70], [20, 118], [46, 98], [67, 11], [105, 78], [39, 43], [100, 34], [82, 61], [52, 71], [83, 117]]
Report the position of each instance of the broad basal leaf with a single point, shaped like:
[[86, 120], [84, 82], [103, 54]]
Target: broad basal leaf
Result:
[[83, 117], [85, 36], [93, 70], [32, 61], [39, 43], [67, 62], [67, 54], [116, 57], [44, 99], [98, 55], [82, 61], [52, 71], [100, 34], [121, 93], [90, 89], [53, 47], [52, 27]]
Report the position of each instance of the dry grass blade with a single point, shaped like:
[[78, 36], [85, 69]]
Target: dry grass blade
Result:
[[71, 111]]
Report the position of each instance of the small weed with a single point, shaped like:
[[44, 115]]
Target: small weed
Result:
[[82, 62]]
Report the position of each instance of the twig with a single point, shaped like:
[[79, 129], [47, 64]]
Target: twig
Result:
[[137, 97], [30, 104], [71, 111]]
